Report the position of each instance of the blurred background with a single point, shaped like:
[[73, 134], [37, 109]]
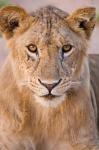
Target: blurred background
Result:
[[67, 5]]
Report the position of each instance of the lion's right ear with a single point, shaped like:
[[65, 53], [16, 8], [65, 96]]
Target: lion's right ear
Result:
[[11, 17]]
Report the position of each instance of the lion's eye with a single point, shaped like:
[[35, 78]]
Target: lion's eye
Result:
[[67, 50], [32, 51], [32, 48]]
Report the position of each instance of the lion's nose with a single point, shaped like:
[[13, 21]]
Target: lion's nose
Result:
[[49, 86]]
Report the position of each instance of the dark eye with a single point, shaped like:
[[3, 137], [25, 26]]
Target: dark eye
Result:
[[32, 48], [66, 48]]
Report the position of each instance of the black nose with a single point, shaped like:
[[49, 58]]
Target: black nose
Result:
[[49, 86]]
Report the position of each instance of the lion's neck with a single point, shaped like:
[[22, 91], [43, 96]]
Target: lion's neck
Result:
[[71, 118]]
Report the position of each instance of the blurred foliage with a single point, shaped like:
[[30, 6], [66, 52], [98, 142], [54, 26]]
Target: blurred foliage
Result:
[[97, 17], [4, 2]]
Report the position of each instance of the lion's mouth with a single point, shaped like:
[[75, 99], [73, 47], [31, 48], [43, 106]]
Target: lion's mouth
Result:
[[49, 96]]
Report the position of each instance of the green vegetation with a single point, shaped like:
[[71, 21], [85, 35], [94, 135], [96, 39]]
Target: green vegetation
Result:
[[97, 17], [4, 2]]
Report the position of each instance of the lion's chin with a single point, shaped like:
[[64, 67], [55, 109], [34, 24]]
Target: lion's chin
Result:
[[50, 100]]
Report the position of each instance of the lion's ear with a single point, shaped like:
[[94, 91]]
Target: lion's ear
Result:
[[83, 21], [11, 18]]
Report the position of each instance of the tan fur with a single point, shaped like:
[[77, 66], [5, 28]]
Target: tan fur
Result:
[[28, 119]]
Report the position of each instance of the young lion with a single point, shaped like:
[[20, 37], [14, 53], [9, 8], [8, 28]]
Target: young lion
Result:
[[48, 100]]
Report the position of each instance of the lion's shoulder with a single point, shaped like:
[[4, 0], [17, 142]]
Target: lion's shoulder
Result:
[[94, 77], [94, 71]]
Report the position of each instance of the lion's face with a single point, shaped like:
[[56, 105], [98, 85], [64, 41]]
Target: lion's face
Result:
[[48, 56]]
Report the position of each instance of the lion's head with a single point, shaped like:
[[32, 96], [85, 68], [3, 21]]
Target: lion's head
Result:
[[48, 49]]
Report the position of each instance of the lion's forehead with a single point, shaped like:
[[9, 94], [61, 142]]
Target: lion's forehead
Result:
[[49, 28], [49, 13], [44, 38]]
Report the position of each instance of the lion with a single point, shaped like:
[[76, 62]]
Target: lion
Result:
[[48, 83]]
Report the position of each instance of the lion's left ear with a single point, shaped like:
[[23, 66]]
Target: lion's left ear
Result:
[[83, 21], [11, 17]]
